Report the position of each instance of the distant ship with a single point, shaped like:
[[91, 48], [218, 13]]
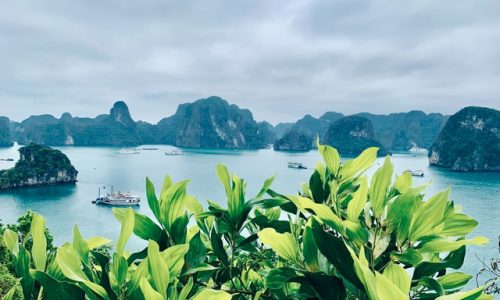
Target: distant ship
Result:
[[416, 149], [7, 159], [116, 199], [129, 151], [173, 152], [149, 148], [296, 165], [416, 173]]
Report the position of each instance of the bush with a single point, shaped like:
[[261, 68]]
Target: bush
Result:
[[342, 236]]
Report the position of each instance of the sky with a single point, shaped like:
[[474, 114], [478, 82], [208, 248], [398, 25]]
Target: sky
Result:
[[280, 59]]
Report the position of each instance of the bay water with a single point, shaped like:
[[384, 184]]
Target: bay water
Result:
[[63, 206]]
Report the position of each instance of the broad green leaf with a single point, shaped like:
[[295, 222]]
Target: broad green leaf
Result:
[[22, 266], [379, 185], [144, 227], [55, 289], [284, 244], [193, 205], [39, 250], [356, 205], [324, 213], [458, 224], [11, 240], [148, 291], [80, 246], [153, 203], [331, 157], [225, 179], [97, 241], [209, 294], [401, 211], [397, 275], [186, 289], [174, 257], [360, 164], [386, 289], [126, 230], [476, 293], [120, 268], [70, 264], [218, 247], [403, 182], [309, 249], [446, 245], [158, 269], [277, 278], [455, 280], [173, 203], [428, 216]]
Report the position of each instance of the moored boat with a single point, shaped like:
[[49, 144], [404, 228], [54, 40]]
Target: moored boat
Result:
[[416, 173], [129, 151], [149, 148], [117, 199], [173, 152], [296, 165]]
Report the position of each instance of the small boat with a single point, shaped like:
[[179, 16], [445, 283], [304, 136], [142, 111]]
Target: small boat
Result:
[[7, 159], [173, 152], [149, 148], [296, 165], [416, 173], [116, 199], [129, 151], [416, 149]]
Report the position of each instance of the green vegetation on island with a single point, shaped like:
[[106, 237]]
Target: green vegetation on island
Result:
[[470, 141], [351, 135], [5, 137], [38, 165], [342, 237], [294, 140]]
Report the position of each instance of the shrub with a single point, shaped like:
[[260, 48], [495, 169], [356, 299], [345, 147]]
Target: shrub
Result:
[[342, 236]]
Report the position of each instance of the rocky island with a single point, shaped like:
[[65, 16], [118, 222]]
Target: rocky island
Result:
[[294, 140], [351, 135], [37, 166], [469, 141], [5, 138]]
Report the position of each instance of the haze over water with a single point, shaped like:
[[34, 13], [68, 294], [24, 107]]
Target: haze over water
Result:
[[66, 205]]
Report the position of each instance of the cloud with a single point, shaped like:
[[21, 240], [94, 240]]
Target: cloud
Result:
[[279, 59]]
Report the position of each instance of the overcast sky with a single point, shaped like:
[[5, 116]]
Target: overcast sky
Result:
[[280, 59]]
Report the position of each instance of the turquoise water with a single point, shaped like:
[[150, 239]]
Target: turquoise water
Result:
[[64, 206]]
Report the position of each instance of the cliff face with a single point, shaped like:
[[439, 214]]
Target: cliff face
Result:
[[351, 135], [212, 123], [116, 129], [470, 141], [5, 138], [38, 166], [294, 140]]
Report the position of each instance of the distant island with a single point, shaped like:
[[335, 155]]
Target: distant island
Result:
[[38, 166], [215, 123], [470, 141]]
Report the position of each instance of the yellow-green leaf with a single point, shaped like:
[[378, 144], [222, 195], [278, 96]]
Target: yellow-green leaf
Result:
[[148, 291], [39, 250], [126, 230], [158, 269], [397, 275], [97, 241], [356, 205], [380, 184], [447, 245], [284, 244], [209, 294], [455, 280], [403, 182], [357, 166], [331, 157], [11, 240]]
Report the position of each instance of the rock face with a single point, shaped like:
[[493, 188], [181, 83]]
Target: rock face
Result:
[[38, 166], [5, 138], [470, 141], [116, 129], [294, 140], [351, 135], [212, 123]]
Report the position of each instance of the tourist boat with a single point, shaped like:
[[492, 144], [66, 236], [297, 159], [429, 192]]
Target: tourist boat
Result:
[[173, 152], [296, 165], [7, 159], [416, 173], [149, 148], [129, 151], [416, 149], [116, 199]]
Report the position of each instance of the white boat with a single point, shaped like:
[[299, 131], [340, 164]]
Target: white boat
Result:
[[116, 199], [416, 149], [149, 148], [173, 152], [416, 173], [129, 151], [296, 165]]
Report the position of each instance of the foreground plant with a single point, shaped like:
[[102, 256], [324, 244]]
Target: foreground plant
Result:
[[343, 236]]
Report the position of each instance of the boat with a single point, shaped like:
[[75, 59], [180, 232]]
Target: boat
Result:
[[416, 149], [149, 148], [296, 165], [173, 152], [7, 159], [129, 151], [116, 199], [416, 173]]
